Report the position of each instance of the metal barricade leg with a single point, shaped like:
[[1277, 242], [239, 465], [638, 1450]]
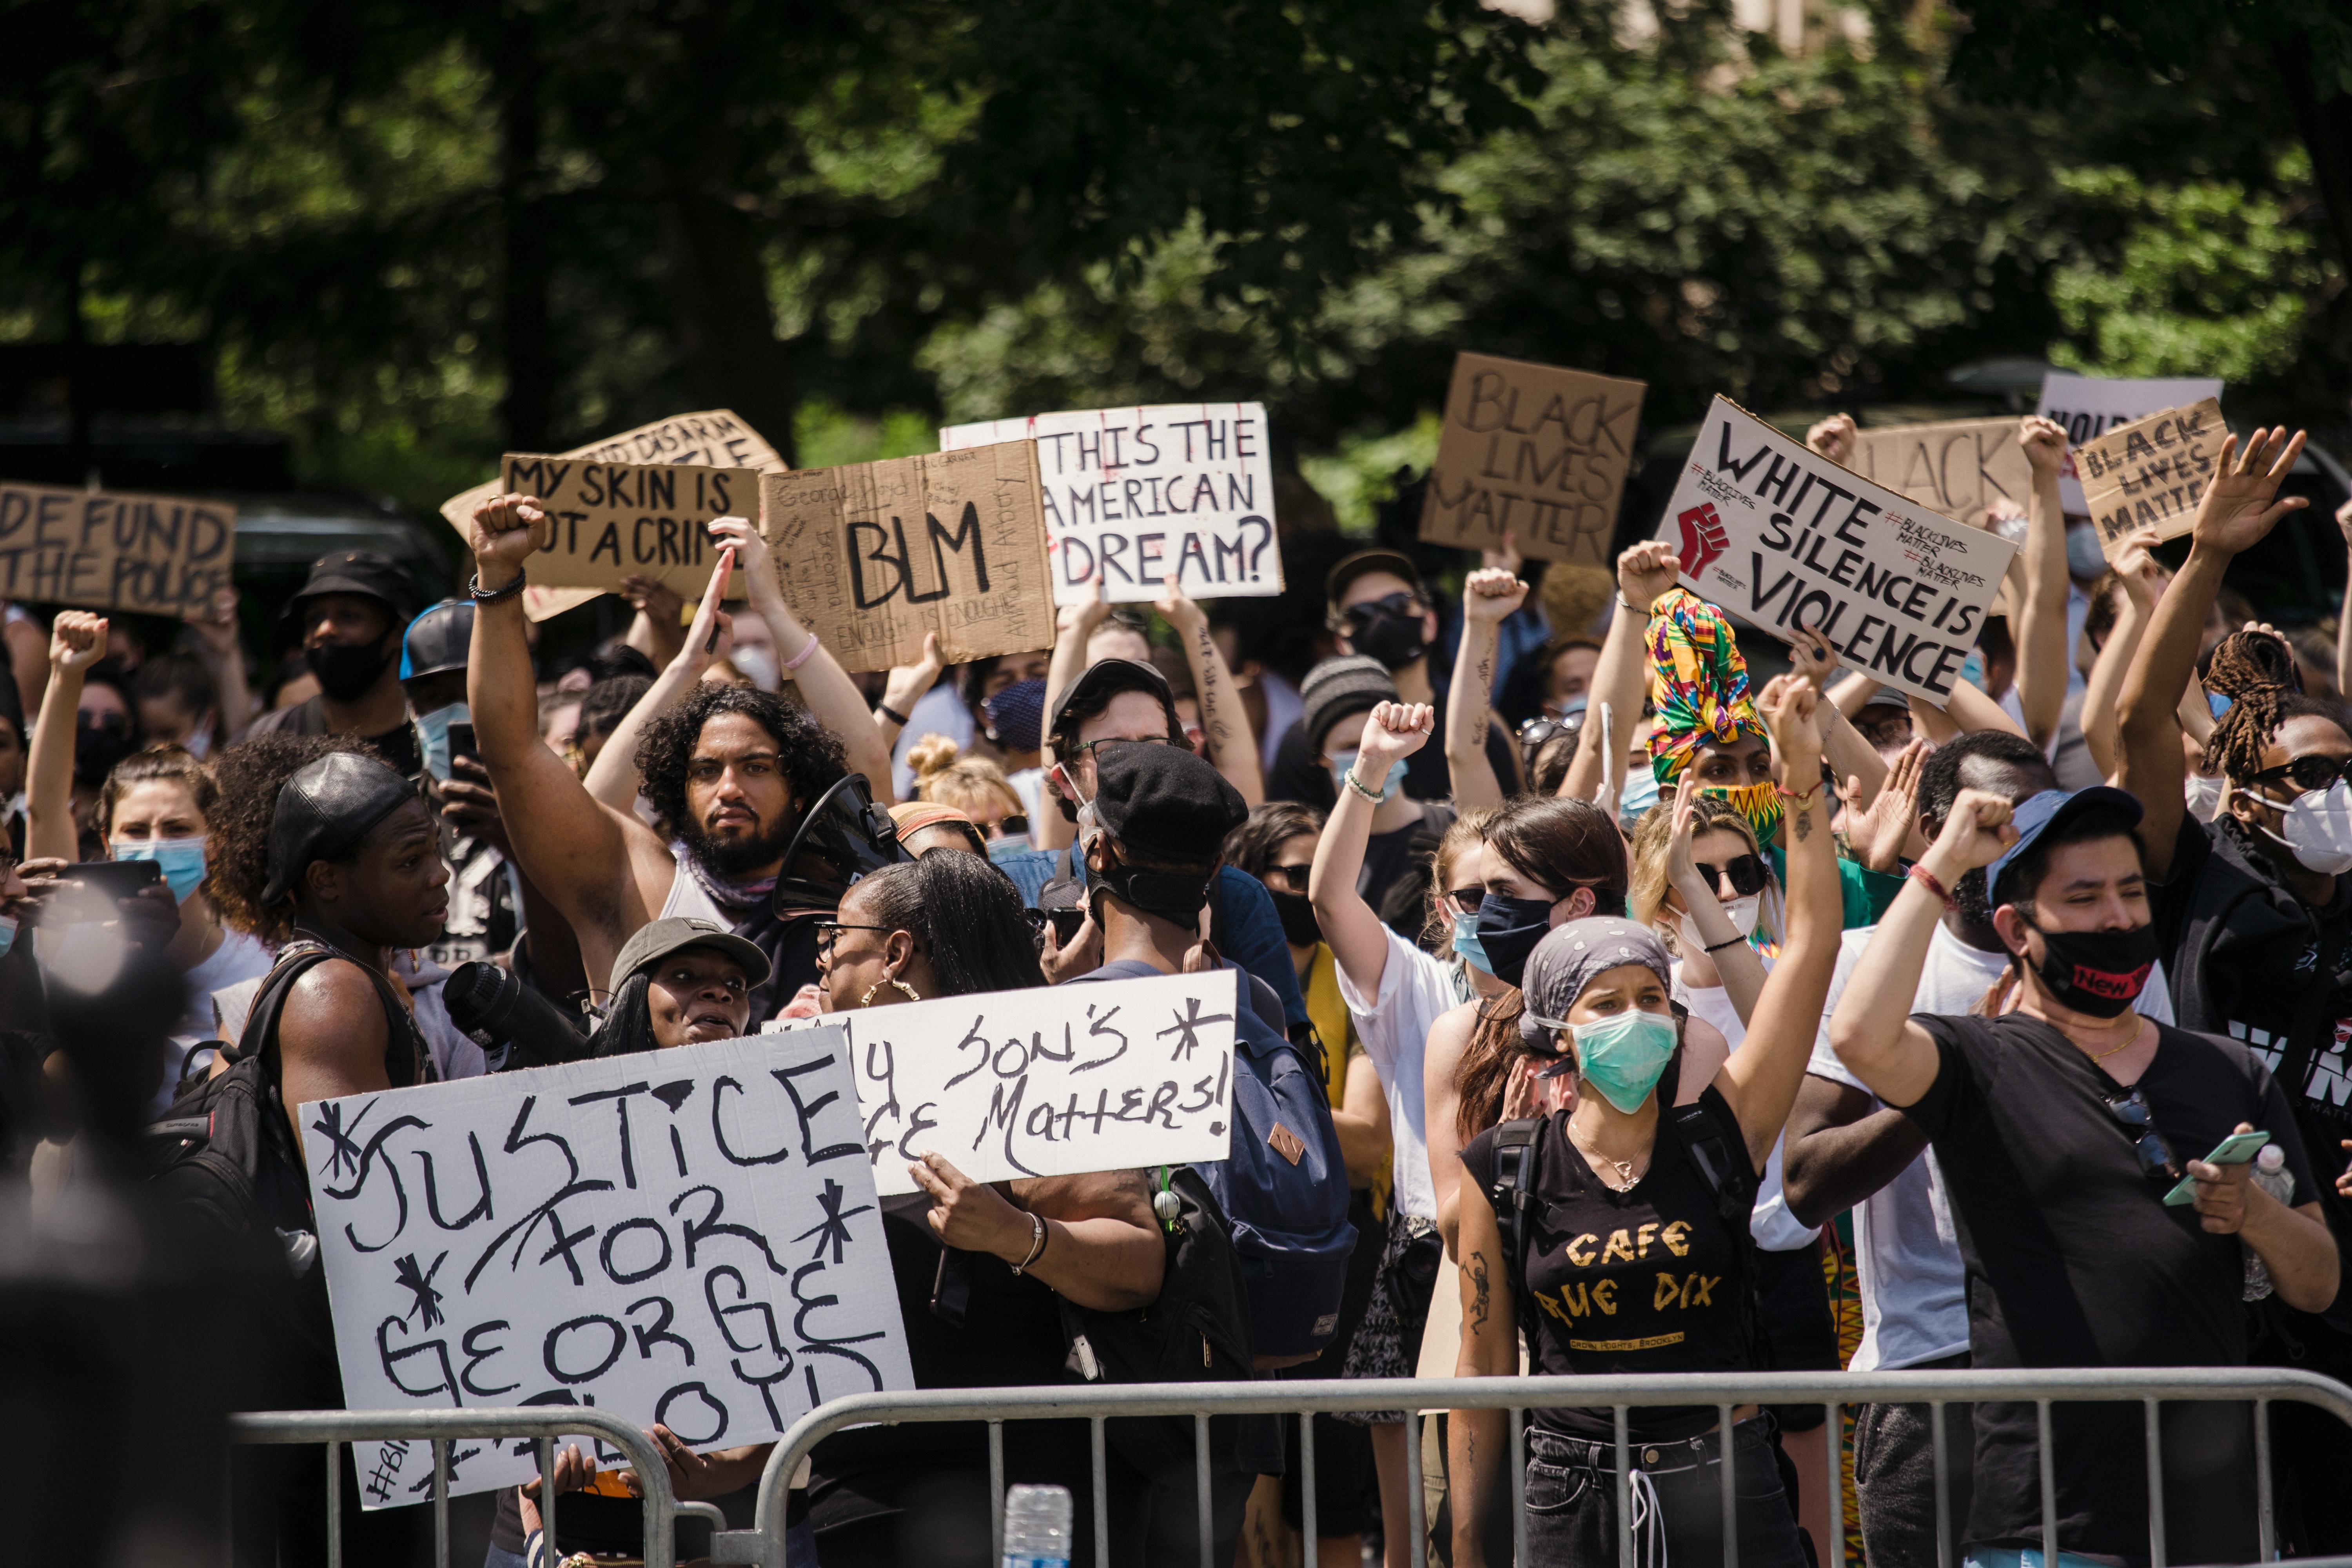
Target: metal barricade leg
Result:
[[440, 1502], [335, 1505], [1834, 1548], [1102, 1498], [1201, 1512], [995, 1492], [2049, 1487], [1624, 1491], [1306, 1481], [2154, 1486], [1520, 1487], [1729, 1467], [1941, 1455], [547, 1497], [1416, 1517], [2267, 1527]]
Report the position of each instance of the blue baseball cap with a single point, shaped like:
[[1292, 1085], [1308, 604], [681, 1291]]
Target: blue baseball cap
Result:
[[2038, 813]]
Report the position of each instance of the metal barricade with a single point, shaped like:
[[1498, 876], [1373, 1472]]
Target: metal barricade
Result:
[[544, 1423], [764, 1544]]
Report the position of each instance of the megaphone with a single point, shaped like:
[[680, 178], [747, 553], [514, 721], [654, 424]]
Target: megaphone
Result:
[[843, 838]]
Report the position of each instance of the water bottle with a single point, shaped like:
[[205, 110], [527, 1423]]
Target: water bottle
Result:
[[1037, 1527], [2272, 1176]]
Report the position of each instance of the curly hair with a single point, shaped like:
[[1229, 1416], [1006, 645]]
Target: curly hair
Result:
[[237, 855], [810, 755], [946, 777], [2256, 671]]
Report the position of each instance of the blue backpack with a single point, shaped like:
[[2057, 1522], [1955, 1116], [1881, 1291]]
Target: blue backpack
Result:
[[1282, 1193]]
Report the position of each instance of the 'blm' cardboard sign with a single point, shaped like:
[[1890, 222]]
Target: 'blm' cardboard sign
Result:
[[714, 439], [621, 520], [1782, 537], [1175, 492], [2086, 406], [113, 549], [1534, 451], [1958, 468], [2152, 473], [873, 555]]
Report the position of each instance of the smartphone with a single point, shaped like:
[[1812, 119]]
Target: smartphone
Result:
[[114, 878], [1065, 924], [726, 575], [461, 743], [2235, 1149]]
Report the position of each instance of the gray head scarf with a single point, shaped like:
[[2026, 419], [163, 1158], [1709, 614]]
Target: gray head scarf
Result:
[[1565, 961]]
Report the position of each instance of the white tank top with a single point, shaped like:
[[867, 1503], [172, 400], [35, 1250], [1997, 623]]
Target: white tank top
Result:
[[687, 897]]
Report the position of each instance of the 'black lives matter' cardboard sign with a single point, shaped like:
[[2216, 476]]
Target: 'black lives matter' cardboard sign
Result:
[[1534, 451], [630, 520], [113, 549], [1959, 468], [873, 555], [2152, 473], [2086, 406], [1782, 537]]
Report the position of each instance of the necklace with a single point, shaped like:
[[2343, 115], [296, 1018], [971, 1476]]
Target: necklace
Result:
[[1624, 1170], [2130, 1041]]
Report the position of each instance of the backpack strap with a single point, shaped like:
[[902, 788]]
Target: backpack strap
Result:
[[1701, 1135], [298, 958], [1519, 1152]]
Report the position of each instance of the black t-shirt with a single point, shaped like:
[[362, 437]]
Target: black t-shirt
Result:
[[1389, 857], [309, 717], [1301, 774], [2250, 960], [1649, 1279], [2074, 1260]]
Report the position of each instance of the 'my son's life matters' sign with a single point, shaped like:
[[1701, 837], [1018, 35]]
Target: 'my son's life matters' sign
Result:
[[1178, 493], [1534, 452], [113, 549], [612, 520], [1783, 538]]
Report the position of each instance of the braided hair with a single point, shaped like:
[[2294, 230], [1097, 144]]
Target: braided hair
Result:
[[2257, 673]]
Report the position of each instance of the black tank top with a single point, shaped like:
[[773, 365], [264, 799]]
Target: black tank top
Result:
[[1649, 1279]]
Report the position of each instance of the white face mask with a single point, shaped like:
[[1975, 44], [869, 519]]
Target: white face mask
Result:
[[758, 666], [2319, 830], [2204, 796], [1742, 912]]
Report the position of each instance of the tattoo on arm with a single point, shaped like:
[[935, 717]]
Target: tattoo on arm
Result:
[[1802, 821], [1478, 1302]]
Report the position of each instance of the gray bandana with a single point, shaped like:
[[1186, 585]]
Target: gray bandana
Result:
[[1567, 959]]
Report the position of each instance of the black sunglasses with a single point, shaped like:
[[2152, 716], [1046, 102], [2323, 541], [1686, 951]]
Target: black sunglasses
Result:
[[2308, 773], [1747, 873], [1010, 825], [1359, 615], [2155, 1154], [1293, 877], [1466, 900]]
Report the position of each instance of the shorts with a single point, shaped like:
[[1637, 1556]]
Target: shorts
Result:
[[1382, 1347]]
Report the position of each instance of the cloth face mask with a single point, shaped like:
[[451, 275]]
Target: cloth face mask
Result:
[[2100, 973], [1508, 930]]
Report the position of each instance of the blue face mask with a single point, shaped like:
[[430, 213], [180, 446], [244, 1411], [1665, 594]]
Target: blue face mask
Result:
[[1640, 793], [1344, 763], [1972, 669], [433, 736], [1006, 848], [182, 859], [1466, 943], [7, 933], [1623, 1056]]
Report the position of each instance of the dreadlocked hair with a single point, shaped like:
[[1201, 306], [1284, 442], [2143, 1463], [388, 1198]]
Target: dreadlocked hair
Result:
[[2256, 672]]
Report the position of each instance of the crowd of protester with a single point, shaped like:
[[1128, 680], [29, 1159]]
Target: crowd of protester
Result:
[[1787, 1024]]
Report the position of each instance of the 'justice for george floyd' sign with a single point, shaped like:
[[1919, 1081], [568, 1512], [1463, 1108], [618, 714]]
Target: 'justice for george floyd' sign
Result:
[[1536, 452], [113, 549], [1782, 537], [1174, 493], [688, 1237]]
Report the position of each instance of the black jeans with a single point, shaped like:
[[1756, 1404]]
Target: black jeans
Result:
[[1678, 1498]]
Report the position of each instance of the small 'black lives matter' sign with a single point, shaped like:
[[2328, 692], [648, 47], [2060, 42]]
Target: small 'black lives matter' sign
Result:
[[1782, 537], [1536, 452]]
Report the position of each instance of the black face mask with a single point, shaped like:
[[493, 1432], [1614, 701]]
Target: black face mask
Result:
[[1172, 896], [1297, 910], [347, 670], [2100, 973], [95, 753], [1395, 640], [1508, 930]]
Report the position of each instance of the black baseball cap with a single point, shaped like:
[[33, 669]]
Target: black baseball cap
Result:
[[1166, 802], [324, 811], [438, 640], [656, 940], [1106, 679], [1395, 562], [364, 572]]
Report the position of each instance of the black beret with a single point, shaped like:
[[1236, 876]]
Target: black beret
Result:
[[1165, 802]]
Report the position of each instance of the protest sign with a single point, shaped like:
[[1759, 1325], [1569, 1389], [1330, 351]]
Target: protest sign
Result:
[[714, 439], [686, 1236], [113, 549], [1180, 491], [1103, 1077], [1782, 537], [1958, 468], [873, 555], [2087, 406], [620, 520], [2150, 473], [1534, 451]]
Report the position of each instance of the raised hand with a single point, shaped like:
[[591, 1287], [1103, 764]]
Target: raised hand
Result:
[[2239, 507], [657, 600], [711, 637], [1177, 608], [1832, 437], [1878, 834], [218, 625], [907, 682], [1787, 707], [1975, 834], [1392, 731], [969, 1215], [1811, 658], [753, 561], [507, 529], [1504, 558], [1492, 594], [77, 640], [1079, 617], [1681, 871], [1646, 570], [2044, 441], [2142, 574]]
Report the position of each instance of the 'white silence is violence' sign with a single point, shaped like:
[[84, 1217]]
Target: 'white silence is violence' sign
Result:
[[1782, 537], [688, 1236]]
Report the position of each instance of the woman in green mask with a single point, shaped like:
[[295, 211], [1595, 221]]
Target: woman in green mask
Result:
[[1643, 1257]]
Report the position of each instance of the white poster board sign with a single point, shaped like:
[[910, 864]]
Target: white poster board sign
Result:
[[2087, 406], [686, 1236], [1176, 492], [1107, 1076], [1782, 537]]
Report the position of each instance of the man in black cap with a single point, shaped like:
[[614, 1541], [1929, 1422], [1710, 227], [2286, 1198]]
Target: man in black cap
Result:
[[1376, 607], [351, 615]]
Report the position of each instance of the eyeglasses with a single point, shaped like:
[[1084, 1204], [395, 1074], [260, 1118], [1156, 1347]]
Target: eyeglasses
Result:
[[1291, 876], [1466, 900], [1093, 750], [1361, 614], [1747, 873], [2308, 773], [2155, 1154], [827, 931]]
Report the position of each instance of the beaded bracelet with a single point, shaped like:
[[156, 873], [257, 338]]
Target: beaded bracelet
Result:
[[480, 595]]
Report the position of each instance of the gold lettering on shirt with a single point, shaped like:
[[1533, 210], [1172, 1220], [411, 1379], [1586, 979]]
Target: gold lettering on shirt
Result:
[[1642, 1238], [1654, 1342], [1605, 1294], [1699, 1291], [1621, 1244], [1584, 1259], [1669, 1289], [1677, 1237]]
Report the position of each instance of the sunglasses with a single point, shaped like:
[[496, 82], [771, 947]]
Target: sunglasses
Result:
[[1010, 827], [1094, 748], [1466, 900], [105, 723], [827, 931], [2155, 1154], [1747, 873], [1293, 877], [2308, 773], [1359, 615]]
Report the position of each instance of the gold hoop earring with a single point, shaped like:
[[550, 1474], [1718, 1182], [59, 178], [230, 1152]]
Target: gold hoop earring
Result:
[[910, 992]]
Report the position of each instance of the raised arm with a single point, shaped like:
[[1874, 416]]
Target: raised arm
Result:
[[2042, 655], [907, 685], [1851, 757], [1735, 962], [1073, 626], [1488, 598], [2344, 618], [654, 629], [77, 641], [1354, 933], [1644, 571], [2238, 510], [2143, 581], [612, 778], [223, 652], [1759, 1079], [1224, 724]]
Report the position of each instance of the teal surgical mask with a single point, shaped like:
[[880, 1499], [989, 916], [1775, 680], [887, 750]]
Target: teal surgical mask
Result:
[[1972, 669], [1466, 943], [433, 736], [1006, 848], [1344, 763], [7, 933], [1623, 1056], [182, 859]]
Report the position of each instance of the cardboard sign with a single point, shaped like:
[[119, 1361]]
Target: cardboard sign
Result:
[[2152, 473], [873, 555], [1179, 491], [620, 520], [1103, 1077], [113, 549], [1782, 537], [715, 438], [2089, 406], [686, 1236], [1958, 468], [1534, 451]]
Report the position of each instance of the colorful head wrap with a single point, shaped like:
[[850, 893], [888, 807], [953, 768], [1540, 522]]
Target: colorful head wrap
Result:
[[1698, 683]]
